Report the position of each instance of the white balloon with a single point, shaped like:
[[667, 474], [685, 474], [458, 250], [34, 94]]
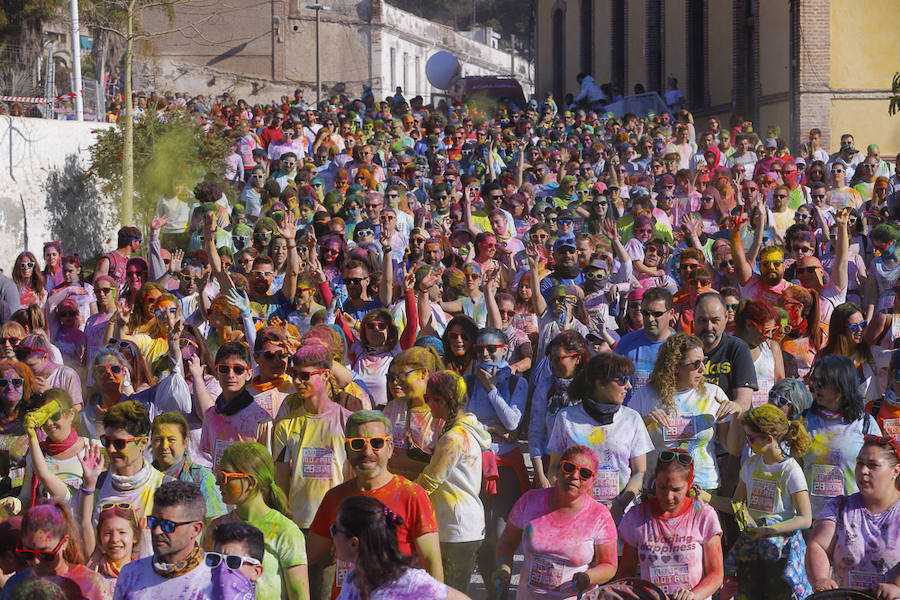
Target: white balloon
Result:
[[441, 69]]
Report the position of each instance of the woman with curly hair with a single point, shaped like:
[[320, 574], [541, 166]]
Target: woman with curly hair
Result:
[[682, 410], [28, 279], [768, 557]]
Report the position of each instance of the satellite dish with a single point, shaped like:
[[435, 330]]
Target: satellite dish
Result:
[[441, 69]]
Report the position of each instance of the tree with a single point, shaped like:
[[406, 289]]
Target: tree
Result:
[[168, 156], [894, 105], [126, 19]]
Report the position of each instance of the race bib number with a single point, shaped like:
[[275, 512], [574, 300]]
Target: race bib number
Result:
[[221, 445], [827, 480], [546, 573], [865, 580], [671, 577], [891, 427], [682, 428], [606, 484], [399, 437], [264, 400], [316, 463], [759, 398], [341, 569], [763, 493]]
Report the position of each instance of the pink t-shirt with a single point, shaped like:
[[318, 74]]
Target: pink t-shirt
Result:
[[758, 290], [253, 423], [557, 547], [670, 551]]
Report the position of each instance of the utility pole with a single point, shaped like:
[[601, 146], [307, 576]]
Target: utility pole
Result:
[[318, 8], [76, 61]]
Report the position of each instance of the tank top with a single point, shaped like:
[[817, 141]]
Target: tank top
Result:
[[765, 375], [886, 279]]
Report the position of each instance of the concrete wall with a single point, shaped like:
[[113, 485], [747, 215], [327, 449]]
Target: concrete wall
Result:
[[43, 194], [636, 45]]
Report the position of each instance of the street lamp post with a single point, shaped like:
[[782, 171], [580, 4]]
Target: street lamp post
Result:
[[76, 61], [318, 8]]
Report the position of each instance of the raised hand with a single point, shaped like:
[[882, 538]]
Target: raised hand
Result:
[[610, 229], [91, 465], [531, 251], [176, 261], [239, 299], [409, 279], [288, 227], [159, 222]]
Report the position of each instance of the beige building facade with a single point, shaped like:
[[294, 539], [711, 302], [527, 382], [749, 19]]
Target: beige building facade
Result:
[[261, 49], [797, 64]]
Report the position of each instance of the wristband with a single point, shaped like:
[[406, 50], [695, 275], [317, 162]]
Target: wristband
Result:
[[289, 246], [86, 492]]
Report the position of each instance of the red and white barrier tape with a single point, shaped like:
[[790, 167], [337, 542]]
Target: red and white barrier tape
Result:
[[30, 100]]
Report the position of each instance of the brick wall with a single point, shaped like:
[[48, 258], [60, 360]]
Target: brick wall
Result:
[[812, 103]]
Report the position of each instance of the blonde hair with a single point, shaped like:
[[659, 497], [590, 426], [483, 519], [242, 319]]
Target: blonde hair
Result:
[[771, 420]]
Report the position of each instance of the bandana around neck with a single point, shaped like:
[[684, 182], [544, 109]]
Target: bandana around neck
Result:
[[191, 562], [128, 483]]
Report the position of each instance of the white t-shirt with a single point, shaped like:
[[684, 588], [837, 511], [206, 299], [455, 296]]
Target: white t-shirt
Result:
[[615, 444], [829, 298], [692, 426], [770, 488], [138, 581]]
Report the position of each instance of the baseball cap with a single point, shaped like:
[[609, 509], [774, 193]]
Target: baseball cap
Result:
[[563, 242], [771, 143]]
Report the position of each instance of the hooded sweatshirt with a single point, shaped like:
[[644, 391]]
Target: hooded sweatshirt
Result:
[[453, 480]]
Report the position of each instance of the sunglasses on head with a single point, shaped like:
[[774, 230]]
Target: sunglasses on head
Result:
[[224, 369], [779, 400], [118, 444], [882, 440], [569, 467], [358, 444], [23, 352], [682, 456]]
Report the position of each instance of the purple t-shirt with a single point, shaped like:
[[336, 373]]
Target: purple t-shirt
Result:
[[867, 546], [414, 584], [670, 551], [556, 547]]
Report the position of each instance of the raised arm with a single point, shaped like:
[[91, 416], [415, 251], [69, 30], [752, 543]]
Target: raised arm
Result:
[[741, 265], [210, 226], [288, 230], [839, 272], [491, 285], [408, 337], [157, 266], [538, 304], [386, 285], [91, 467]]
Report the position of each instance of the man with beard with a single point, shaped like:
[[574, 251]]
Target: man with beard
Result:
[[642, 346], [566, 271], [369, 447], [811, 274], [770, 283]]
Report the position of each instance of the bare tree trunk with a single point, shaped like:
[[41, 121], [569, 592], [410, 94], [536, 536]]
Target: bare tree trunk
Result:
[[128, 150]]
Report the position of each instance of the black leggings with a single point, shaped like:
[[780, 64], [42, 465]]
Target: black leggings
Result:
[[496, 511]]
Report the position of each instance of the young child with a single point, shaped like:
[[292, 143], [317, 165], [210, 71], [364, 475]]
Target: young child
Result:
[[237, 560], [768, 557]]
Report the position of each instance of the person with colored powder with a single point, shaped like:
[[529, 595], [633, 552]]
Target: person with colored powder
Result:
[[369, 448], [682, 410], [169, 442], [177, 568], [237, 561], [671, 539], [246, 477], [49, 543], [366, 527], [854, 540], [837, 423], [616, 433], [117, 537], [569, 538], [768, 557], [130, 479], [452, 478]]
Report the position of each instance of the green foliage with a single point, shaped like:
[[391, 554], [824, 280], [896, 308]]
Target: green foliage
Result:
[[894, 105], [167, 156], [17, 14]]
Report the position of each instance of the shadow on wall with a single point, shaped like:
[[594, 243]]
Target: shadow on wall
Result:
[[77, 213]]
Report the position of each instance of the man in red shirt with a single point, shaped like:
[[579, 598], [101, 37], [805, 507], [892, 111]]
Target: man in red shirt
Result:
[[369, 448], [272, 132]]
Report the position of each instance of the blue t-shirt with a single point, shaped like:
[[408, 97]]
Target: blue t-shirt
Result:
[[642, 353]]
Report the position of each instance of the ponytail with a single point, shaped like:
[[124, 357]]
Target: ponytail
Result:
[[253, 459], [798, 439]]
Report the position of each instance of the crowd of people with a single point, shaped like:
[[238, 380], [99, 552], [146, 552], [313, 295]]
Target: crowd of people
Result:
[[393, 345]]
